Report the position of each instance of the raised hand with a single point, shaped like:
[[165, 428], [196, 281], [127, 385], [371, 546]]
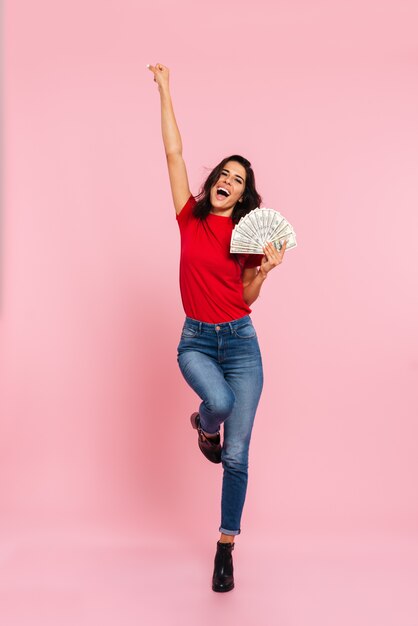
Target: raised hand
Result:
[[161, 75]]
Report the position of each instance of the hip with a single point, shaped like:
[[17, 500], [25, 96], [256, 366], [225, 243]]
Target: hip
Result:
[[235, 340]]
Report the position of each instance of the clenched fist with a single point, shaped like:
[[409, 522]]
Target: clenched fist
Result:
[[161, 75]]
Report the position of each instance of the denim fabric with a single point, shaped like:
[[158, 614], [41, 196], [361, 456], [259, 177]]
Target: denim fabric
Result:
[[222, 364]]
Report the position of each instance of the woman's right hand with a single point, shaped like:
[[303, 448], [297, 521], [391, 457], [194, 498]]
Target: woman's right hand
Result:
[[161, 74]]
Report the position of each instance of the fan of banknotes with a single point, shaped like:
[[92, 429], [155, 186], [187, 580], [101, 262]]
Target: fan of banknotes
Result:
[[258, 227]]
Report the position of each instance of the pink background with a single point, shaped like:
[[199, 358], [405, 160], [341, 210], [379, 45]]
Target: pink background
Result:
[[98, 463]]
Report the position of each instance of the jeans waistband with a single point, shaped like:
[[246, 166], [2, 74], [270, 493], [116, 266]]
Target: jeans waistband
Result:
[[219, 327]]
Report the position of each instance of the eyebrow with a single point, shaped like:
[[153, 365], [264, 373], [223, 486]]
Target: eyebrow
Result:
[[227, 170]]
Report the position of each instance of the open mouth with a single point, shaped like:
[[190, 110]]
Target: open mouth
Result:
[[222, 193]]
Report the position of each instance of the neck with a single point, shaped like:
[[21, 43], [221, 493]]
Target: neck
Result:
[[222, 213]]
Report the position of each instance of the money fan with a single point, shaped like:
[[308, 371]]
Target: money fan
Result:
[[258, 227]]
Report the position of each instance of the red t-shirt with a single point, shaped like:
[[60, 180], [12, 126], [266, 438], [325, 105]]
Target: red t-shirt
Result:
[[210, 277]]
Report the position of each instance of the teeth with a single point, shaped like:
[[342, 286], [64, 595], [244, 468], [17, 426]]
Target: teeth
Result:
[[223, 188]]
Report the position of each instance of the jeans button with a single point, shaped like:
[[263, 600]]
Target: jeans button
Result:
[[217, 328]]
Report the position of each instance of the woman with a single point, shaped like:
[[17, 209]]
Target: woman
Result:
[[218, 353]]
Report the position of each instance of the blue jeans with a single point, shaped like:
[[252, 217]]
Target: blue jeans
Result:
[[222, 364]]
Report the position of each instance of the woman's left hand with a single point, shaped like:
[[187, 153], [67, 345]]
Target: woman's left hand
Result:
[[272, 257]]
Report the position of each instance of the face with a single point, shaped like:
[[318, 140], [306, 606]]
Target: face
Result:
[[232, 179]]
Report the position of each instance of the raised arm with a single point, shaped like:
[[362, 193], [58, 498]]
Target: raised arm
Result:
[[172, 140]]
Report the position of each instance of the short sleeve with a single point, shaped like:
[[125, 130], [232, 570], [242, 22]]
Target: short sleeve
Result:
[[253, 260], [186, 211]]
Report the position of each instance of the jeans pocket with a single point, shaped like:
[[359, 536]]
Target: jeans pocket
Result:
[[247, 331], [188, 332]]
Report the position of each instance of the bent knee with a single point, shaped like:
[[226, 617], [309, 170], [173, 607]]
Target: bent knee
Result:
[[221, 406]]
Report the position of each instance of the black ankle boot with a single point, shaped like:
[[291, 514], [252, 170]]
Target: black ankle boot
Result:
[[223, 574]]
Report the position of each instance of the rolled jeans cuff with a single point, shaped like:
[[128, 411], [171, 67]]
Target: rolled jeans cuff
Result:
[[229, 532]]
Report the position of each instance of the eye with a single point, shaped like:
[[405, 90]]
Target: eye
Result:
[[237, 179]]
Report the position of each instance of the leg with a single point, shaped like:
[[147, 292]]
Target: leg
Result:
[[247, 384], [206, 378]]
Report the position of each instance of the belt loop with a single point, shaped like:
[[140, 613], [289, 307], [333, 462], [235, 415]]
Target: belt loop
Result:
[[200, 328], [230, 327]]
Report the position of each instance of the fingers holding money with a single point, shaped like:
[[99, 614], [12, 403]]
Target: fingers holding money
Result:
[[271, 254], [282, 250], [274, 257]]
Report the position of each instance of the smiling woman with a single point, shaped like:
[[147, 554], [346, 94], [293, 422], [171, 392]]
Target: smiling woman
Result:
[[235, 176], [222, 191], [218, 353]]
